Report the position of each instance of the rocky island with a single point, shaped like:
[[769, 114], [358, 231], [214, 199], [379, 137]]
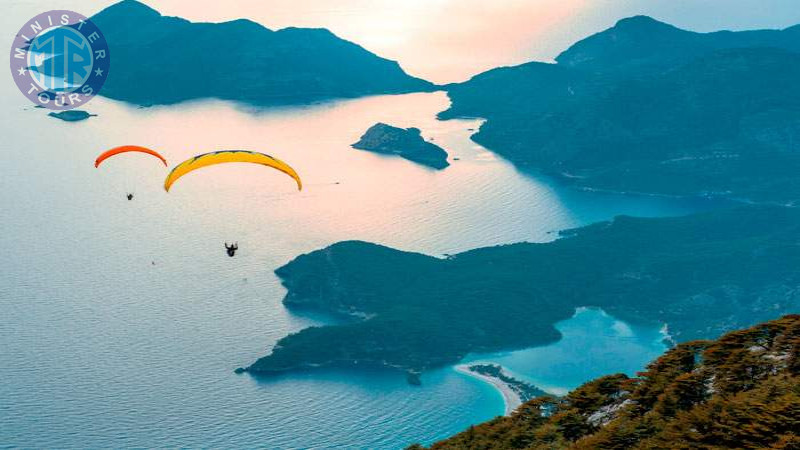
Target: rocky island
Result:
[[404, 142], [702, 275], [71, 115], [740, 391], [645, 107]]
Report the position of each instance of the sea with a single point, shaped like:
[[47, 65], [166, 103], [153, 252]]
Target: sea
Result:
[[121, 322]]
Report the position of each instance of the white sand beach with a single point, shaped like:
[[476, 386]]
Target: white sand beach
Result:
[[510, 398]]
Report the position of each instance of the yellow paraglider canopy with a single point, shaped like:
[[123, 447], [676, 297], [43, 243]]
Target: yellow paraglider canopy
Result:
[[229, 156]]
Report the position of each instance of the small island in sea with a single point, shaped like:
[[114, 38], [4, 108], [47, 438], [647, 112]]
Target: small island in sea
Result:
[[700, 275], [71, 115], [404, 142], [514, 391]]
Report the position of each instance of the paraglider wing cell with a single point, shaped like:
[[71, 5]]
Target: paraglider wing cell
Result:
[[229, 156]]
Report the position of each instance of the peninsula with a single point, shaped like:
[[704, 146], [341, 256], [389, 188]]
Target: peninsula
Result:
[[514, 391], [702, 275]]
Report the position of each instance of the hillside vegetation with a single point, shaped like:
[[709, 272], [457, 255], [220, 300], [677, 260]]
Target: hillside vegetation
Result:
[[702, 275], [646, 107], [740, 391], [158, 59]]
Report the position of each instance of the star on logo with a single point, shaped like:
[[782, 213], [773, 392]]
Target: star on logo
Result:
[[99, 72], [21, 71]]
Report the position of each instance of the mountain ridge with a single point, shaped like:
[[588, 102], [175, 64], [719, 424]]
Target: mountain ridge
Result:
[[679, 113], [638, 38], [163, 60]]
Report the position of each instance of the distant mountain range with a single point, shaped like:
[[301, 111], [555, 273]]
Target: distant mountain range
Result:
[[642, 107], [740, 391], [646, 107], [702, 275], [162, 60], [645, 44]]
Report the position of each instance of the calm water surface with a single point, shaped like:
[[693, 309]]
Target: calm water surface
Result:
[[121, 322], [593, 344]]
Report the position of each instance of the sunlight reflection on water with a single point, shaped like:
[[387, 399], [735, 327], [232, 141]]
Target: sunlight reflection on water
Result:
[[122, 321]]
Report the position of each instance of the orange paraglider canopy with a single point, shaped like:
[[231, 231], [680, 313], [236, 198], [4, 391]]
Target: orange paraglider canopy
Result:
[[127, 148]]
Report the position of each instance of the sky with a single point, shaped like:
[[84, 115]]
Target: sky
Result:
[[451, 40]]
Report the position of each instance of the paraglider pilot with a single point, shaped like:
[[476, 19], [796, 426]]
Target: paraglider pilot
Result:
[[232, 248]]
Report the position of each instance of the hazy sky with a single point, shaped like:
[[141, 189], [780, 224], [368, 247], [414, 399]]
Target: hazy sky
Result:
[[451, 40]]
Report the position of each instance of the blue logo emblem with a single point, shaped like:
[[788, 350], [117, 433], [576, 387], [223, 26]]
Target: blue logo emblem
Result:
[[60, 59]]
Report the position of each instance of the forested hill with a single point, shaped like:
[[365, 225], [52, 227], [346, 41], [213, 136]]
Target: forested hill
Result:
[[740, 391], [645, 44], [702, 275], [650, 108], [161, 60]]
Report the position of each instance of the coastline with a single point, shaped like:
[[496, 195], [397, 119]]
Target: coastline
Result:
[[511, 399]]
